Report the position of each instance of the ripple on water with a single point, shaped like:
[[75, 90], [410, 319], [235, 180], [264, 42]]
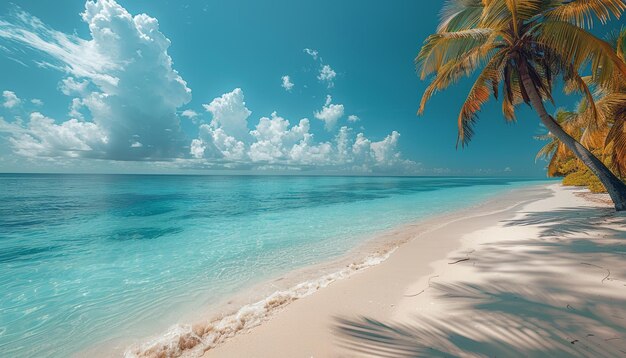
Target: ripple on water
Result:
[[87, 259]]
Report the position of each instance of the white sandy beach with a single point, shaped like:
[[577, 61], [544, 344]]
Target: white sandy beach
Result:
[[539, 272]]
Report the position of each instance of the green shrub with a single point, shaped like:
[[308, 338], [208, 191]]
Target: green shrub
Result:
[[596, 186], [584, 177], [569, 166], [578, 178]]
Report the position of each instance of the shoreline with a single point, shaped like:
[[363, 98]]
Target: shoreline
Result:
[[259, 304], [497, 284]]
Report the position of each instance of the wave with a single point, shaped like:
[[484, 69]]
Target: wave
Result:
[[192, 340]]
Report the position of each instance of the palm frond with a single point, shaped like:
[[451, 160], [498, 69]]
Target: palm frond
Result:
[[616, 138], [577, 47], [499, 14], [620, 44], [589, 101], [459, 15], [452, 71], [549, 37], [440, 48], [582, 12], [513, 92], [572, 85], [478, 95], [547, 151]]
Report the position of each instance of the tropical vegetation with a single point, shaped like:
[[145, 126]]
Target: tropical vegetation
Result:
[[522, 47], [604, 135]]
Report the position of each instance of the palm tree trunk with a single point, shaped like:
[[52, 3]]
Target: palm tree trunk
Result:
[[615, 187]]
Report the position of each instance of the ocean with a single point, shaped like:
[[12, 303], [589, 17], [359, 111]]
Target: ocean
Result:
[[86, 259]]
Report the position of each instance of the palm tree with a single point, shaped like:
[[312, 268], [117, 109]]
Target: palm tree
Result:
[[522, 46], [555, 151], [603, 133], [607, 129]]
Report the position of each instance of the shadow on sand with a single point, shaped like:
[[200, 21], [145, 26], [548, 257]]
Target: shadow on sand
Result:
[[567, 298]]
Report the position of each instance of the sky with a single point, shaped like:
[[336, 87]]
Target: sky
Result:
[[276, 87]]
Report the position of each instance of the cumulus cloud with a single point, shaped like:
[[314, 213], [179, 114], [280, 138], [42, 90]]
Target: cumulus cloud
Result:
[[330, 113], [353, 118], [36, 102], [122, 76], [197, 148], [287, 84], [70, 86], [215, 143], [125, 94], [275, 139], [223, 137], [279, 143], [230, 113], [75, 109], [42, 137], [385, 150], [275, 143], [327, 75], [10, 99]]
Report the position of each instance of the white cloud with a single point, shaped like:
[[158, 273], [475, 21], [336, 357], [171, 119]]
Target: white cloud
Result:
[[10, 99], [508, 170], [42, 137], [327, 75], [192, 115], [312, 53], [125, 96], [275, 143], [307, 153], [224, 137], [70, 53], [361, 148], [69, 86], [353, 118], [278, 143], [330, 113], [36, 102], [189, 113], [275, 140], [122, 76], [7, 127], [215, 143], [75, 109], [383, 154], [385, 150], [287, 84], [230, 113], [197, 148]]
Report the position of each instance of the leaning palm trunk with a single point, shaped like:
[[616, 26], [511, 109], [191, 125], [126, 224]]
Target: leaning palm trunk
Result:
[[522, 46], [615, 187]]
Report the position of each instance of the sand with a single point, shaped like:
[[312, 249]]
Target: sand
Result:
[[538, 272]]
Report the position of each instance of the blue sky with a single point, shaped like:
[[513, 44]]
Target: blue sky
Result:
[[200, 87]]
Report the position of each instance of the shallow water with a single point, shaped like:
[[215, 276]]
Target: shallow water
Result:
[[90, 258]]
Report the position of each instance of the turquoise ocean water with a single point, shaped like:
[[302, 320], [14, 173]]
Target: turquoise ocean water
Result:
[[90, 258]]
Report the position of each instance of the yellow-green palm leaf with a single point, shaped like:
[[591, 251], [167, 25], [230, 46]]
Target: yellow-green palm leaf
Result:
[[582, 12]]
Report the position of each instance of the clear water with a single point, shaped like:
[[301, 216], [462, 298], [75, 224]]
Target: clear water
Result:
[[88, 258]]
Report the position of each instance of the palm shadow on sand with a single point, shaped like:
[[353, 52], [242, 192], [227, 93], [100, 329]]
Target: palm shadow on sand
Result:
[[576, 309]]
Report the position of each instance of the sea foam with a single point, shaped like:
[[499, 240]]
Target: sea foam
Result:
[[192, 340], [103, 261]]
